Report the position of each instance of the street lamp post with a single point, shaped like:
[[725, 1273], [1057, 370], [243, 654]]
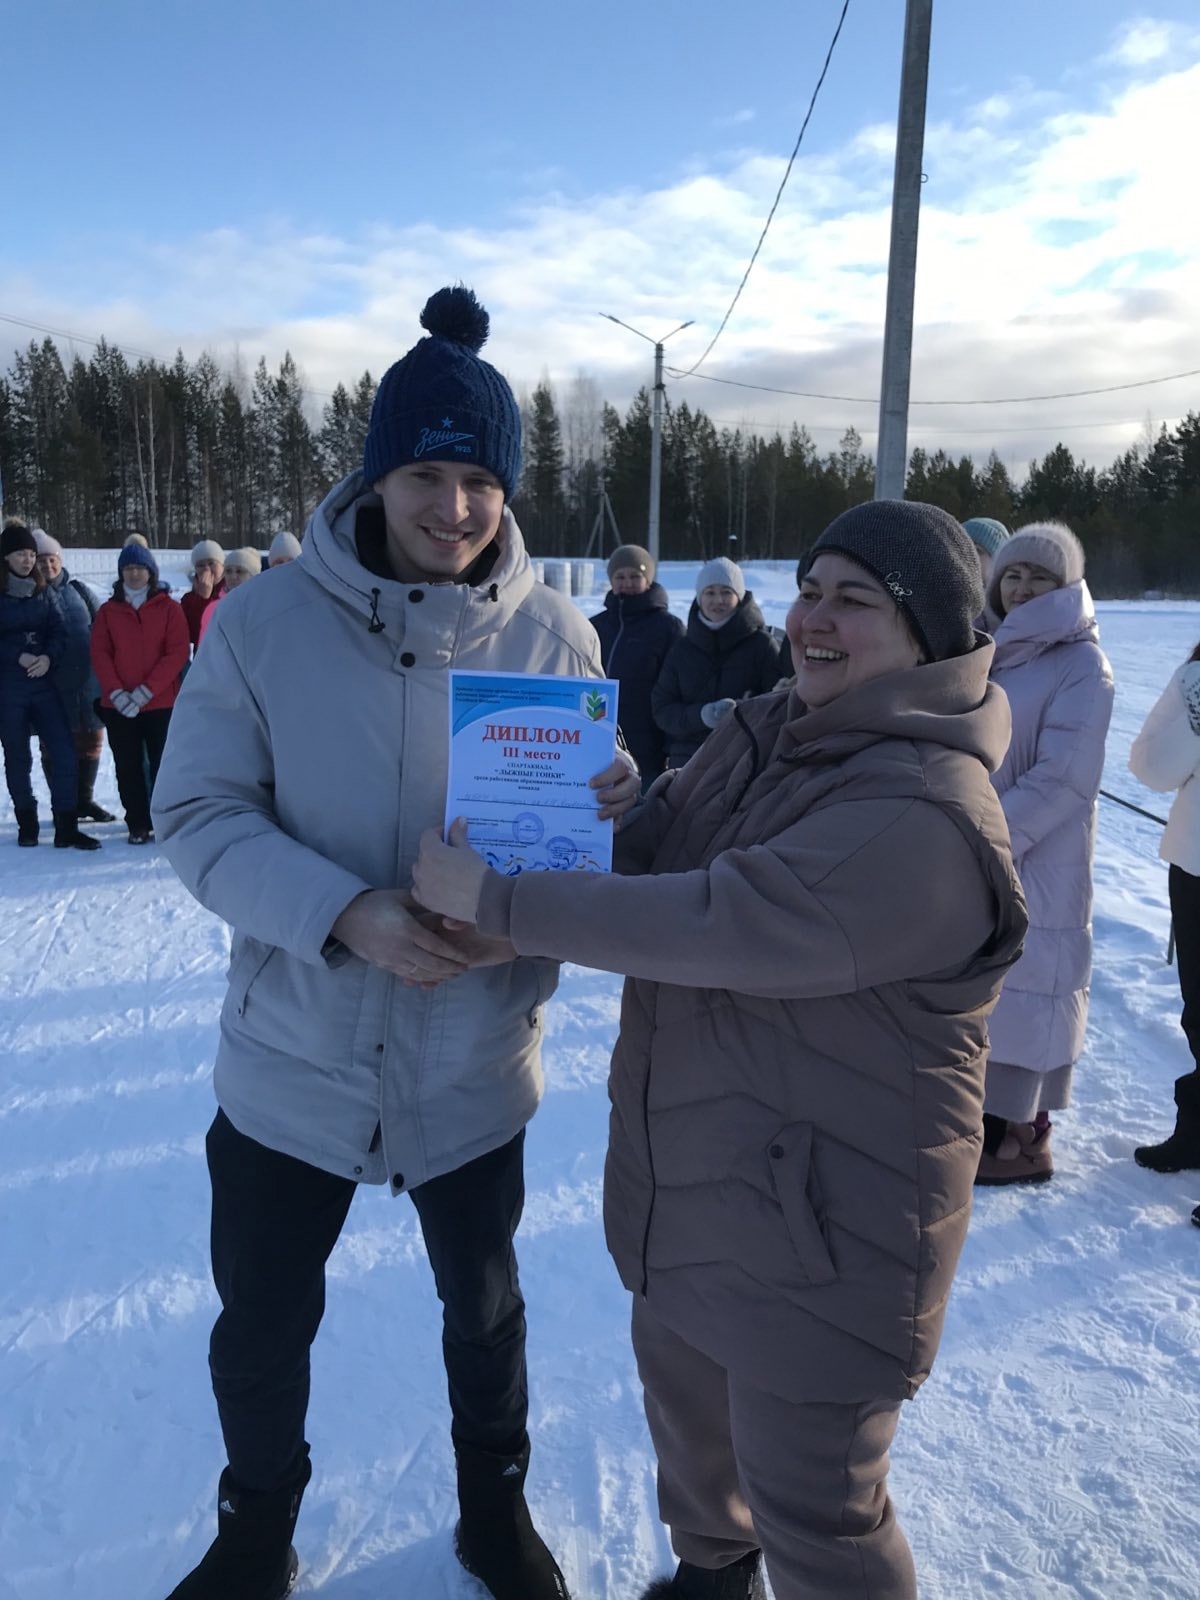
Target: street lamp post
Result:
[[656, 410]]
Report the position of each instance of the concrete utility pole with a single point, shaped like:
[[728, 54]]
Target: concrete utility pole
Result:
[[652, 518], [891, 453]]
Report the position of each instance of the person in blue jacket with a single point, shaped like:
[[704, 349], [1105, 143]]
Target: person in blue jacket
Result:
[[72, 674], [32, 640], [636, 630]]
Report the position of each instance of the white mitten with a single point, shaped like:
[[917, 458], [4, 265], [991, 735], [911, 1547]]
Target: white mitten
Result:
[[141, 696], [716, 711]]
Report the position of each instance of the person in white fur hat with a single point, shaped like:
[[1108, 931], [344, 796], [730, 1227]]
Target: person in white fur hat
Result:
[[208, 585], [1060, 688], [285, 547]]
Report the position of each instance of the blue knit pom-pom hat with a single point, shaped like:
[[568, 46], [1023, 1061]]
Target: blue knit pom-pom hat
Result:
[[442, 402], [137, 555]]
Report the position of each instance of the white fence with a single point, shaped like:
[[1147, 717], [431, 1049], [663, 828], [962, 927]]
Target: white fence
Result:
[[98, 568]]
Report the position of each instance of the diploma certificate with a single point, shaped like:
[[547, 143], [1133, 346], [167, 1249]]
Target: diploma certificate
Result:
[[522, 748]]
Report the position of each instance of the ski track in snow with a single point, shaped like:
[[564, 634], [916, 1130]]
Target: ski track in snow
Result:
[[1051, 1455]]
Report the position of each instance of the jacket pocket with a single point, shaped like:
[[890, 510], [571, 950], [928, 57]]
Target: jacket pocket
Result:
[[545, 974], [789, 1159], [244, 971]]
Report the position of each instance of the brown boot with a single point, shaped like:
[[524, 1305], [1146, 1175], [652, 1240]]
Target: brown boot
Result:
[[1023, 1157]]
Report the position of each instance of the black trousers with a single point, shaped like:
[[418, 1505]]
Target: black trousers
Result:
[[275, 1221], [137, 745], [1184, 888]]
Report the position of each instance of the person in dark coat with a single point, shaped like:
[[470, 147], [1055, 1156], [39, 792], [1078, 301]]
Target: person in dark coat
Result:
[[726, 655], [636, 630], [72, 675], [32, 642]]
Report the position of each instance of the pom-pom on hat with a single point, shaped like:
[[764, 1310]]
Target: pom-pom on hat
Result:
[[631, 555], [1044, 544], [923, 559], [137, 555], [721, 573], [16, 536], [46, 546], [442, 402], [987, 533]]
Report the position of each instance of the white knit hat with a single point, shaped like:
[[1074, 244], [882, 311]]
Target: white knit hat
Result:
[[284, 547], [721, 573], [207, 550], [1044, 544], [46, 546], [248, 559]]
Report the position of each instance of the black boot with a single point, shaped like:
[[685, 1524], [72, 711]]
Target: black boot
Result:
[[741, 1581], [495, 1538], [67, 835], [89, 766], [1179, 1153], [252, 1556], [27, 827]]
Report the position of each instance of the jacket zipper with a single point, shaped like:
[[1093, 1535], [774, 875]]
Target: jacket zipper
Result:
[[741, 722], [612, 654], [653, 1183], [755, 759]]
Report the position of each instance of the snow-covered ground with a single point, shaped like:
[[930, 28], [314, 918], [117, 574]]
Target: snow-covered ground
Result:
[[1053, 1453]]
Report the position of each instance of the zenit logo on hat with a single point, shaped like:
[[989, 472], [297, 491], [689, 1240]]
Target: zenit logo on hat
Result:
[[443, 437]]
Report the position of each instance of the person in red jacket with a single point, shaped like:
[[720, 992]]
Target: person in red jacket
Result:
[[139, 649], [208, 585]]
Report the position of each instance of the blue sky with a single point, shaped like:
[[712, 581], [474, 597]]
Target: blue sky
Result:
[[253, 177]]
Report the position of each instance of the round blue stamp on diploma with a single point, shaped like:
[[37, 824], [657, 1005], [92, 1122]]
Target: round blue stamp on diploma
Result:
[[562, 853], [527, 827]]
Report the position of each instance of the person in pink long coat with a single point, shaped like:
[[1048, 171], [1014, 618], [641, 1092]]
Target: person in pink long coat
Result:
[[1060, 688]]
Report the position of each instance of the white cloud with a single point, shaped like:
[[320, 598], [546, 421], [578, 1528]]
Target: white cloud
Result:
[[1142, 41], [1059, 250], [735, 119]]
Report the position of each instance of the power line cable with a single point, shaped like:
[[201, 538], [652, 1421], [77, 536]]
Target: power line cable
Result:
[[998, 400], [75, 338], [942, 432], [778, 196], [132, 349]]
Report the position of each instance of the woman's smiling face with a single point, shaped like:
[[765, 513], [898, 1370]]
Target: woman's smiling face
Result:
[[844, 628]]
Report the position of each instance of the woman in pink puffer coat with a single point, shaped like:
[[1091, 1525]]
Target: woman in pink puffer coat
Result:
[[1060, 688]]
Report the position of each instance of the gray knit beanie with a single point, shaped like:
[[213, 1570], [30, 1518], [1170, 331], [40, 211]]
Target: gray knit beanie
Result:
[[631, 555], [921, 555], [721, 573]]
